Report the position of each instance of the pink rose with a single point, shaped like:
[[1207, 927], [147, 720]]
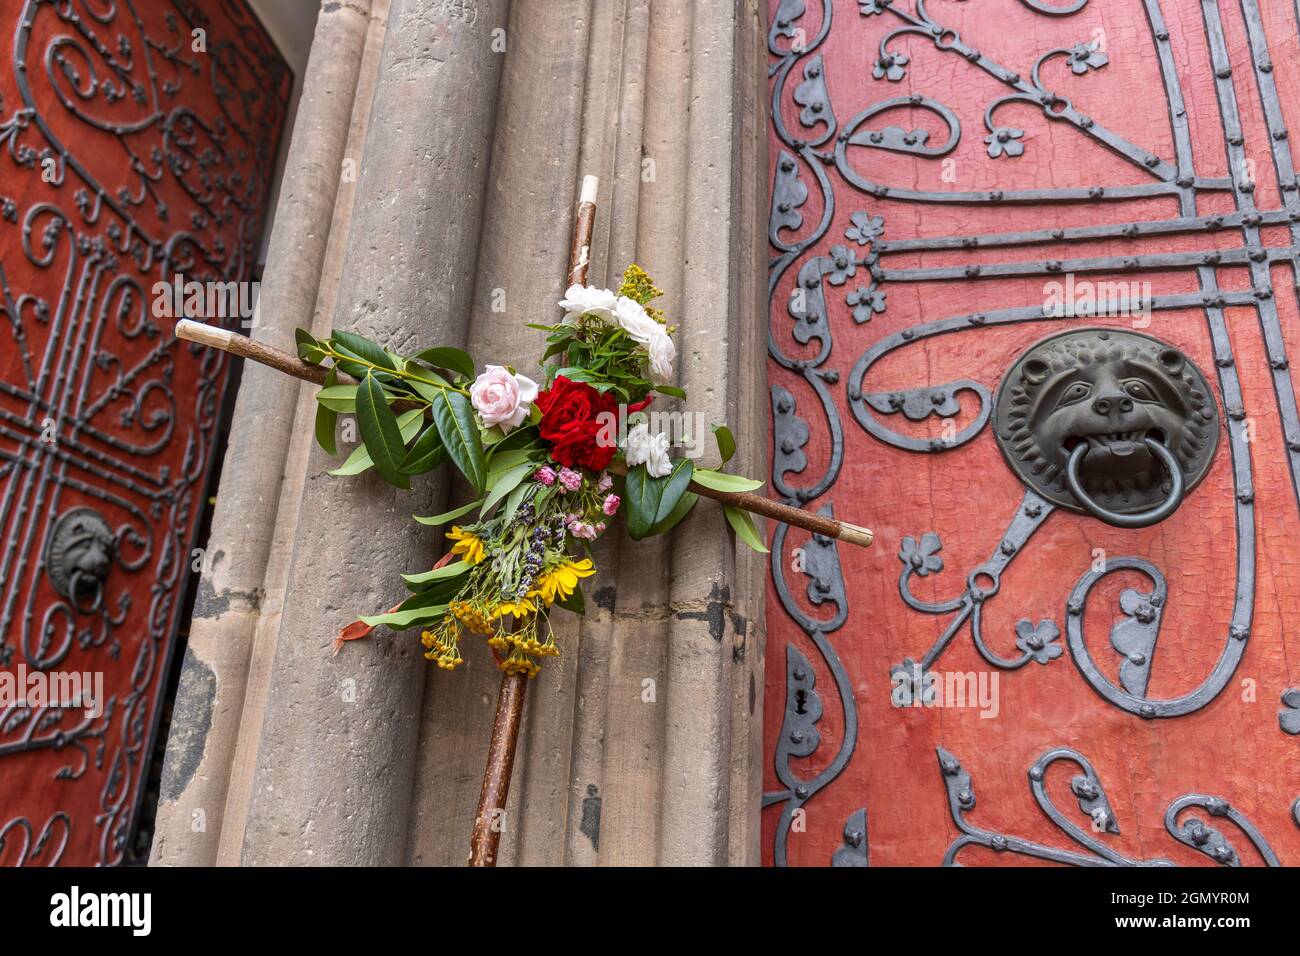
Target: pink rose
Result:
[[606, 482], [611, 504], [545, 475], [502, 397], [570, 479]]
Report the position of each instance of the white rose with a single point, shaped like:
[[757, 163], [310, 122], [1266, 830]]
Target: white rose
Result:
[[635, 320], [581, 299], [502, 397], [649, 450], [662, 354]]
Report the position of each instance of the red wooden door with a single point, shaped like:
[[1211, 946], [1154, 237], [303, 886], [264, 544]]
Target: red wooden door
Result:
[[139, 138], [944, 175]]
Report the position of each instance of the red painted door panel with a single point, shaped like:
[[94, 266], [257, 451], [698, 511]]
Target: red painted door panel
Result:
[[942, 173], [139, 138]]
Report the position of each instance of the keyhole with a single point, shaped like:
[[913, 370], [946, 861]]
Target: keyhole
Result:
[[801, 702]]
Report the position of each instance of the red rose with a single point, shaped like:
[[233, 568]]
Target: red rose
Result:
[[571, 422]]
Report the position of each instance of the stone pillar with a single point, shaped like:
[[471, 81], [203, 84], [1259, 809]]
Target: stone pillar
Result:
[[714, 667], [258, 692], [642, 741], [209, 701], [335, 768]]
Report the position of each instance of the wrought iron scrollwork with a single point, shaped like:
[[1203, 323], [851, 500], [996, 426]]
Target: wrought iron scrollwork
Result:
[[1134, 639], [1095, 808], [91, 401], [38, 848], [820, 148], [921, 558], [1288, 717], [820, 565]]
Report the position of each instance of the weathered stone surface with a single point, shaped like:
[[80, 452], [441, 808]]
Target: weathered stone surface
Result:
[[334, 771], [198, 766]]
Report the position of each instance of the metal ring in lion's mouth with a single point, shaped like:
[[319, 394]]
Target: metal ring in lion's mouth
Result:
[[1142, 518], [1174, 405]]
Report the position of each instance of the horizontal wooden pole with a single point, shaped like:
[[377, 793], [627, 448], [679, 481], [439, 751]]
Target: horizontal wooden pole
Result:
[[244, 347]]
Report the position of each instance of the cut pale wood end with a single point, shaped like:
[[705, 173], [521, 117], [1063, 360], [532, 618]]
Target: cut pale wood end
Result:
[[208, 335], [590, 184], [855, 534]]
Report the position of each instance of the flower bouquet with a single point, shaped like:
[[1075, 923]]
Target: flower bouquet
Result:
[[551, 463]]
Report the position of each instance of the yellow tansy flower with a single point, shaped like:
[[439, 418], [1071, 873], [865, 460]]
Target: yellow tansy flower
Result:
[[468, 545], [559, 583]]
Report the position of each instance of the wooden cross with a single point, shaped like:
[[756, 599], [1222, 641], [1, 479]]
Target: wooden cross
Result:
[[504, 742]]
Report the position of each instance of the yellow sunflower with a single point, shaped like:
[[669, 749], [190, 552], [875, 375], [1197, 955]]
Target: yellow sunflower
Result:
[[520, 608], [468, 545], [559, 582]]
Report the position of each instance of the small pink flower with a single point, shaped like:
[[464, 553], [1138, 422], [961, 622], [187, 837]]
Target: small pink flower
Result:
[[600, 527], [606, 482], [581, 529], [570, 479], [545, 475], [611, 504]]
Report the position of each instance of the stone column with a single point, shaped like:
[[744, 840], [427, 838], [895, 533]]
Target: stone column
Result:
[[641, 742], [713, 707], [335, 769], [209, 701]]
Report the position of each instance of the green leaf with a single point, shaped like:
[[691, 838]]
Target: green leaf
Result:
[[426, 454], [454, 360], [356, 463], [426, 391], [338, 398], [740, 520], [574, 602], [675, 485], [454, 417], [503, 483], [672, 390], [523, 437], [555, 348], [363, 348], [717, 481], [515, 499], [455, 569], [726, 442], [327, 419], [401, 620], [380, 432], [309, 350], [683, 508], [642, 501], [502, 460], [450, 515]]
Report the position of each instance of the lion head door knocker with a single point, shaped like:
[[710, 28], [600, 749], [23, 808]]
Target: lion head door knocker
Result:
[[79, 556], [1113, 423]]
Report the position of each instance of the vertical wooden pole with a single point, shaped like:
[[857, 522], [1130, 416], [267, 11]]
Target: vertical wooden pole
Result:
[[489, 819]]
